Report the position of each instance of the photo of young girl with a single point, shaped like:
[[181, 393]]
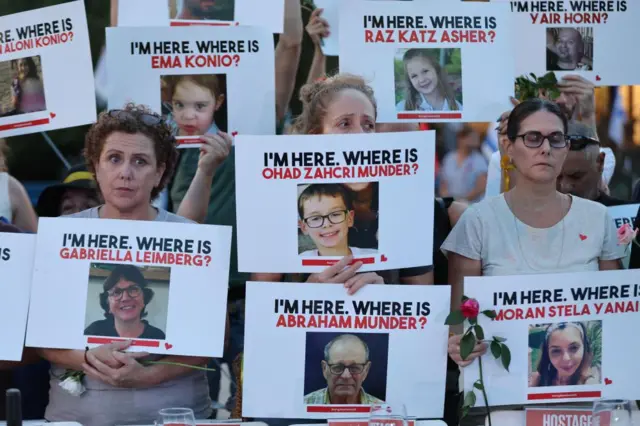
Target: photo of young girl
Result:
[[326, 216], [565, 354], [21, 87], [428, 80], [202, 10], [195, 104]]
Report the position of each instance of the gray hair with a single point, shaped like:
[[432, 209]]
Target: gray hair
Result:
[[577, 128], [346, 337]]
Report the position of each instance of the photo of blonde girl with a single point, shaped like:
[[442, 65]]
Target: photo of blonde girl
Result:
[[194, 104], [428, 80]]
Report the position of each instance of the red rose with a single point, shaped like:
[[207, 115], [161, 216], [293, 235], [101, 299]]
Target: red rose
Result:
[[470, 308]]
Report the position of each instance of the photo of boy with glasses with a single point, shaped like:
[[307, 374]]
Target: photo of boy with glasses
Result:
[[325, 214]]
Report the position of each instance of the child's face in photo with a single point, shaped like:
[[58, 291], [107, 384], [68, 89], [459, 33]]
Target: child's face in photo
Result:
[[193, 108], [319, 213], [422, 74]]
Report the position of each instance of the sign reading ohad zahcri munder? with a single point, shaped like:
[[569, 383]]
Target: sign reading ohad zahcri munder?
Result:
[[567, 334]]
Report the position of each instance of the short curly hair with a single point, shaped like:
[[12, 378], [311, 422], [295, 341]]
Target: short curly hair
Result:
[[134, 119], [317, 96]]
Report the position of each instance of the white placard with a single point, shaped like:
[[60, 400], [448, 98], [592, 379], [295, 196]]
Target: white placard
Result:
[[267, 14], [621, 215], [83, 268], [289, 327], [430, 60], [202, 79], [573, 326], [16, 264], [294, 197], [577, 37], [46, 74], [330, 12]]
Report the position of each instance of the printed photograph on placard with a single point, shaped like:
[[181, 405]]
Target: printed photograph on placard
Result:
[[195, 104], [565, 354], [21, 86], [332, 222], [125, 300], [428, 79], [345, 368], [204, 10], [570, 49]]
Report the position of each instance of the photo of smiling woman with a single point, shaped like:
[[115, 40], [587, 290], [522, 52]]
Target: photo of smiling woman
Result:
[[326, 216], [428, 80], [129, 298], [194, 105], [202, 10], [565, 353]]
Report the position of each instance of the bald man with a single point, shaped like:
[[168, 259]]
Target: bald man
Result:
[[345, 367], [582, 170], [570, 50]]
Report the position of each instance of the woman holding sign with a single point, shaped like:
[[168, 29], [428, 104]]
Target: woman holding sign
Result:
[[533, 228], [132, 154]]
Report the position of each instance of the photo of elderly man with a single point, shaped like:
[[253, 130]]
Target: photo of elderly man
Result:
[[345, 366]]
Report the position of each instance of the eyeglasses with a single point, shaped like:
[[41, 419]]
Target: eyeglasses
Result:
[[578, 143], [338, 369], [133, 292], [147, 119], [317, 221], [536, 139]]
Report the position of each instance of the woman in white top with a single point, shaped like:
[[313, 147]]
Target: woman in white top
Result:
[[15, 205], [532, 228]]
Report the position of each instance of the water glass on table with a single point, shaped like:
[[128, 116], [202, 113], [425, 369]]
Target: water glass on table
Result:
[[612, 412], [176, 417]]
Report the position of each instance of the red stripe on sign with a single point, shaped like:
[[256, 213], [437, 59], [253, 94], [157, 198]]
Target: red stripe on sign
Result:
[[22, 124], [564, 395], [190, 24], [107, 340], [329, 262], [430, 115], [338, 409]]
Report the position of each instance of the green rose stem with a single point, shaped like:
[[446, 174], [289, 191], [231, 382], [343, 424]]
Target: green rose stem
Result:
[[484, 392]]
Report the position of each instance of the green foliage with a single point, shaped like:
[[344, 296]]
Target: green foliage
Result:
[[530, 86], [454, 318], [467, 343], [594, 336]]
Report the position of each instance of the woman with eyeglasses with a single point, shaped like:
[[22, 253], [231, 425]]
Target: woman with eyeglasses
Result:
[[132, 154], [533, 228], [124, 299]]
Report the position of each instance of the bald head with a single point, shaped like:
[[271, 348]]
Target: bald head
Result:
[[350, 342], [582, 170], [570, 47]]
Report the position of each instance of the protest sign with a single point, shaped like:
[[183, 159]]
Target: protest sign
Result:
[[567, 334], [202, 79], [330, 12], [558, 417], [304, 189], [623, 215], [100, 281], [39, 90], [16, 263], [268, 14], [430, 60], [577, 37], [300, 338]]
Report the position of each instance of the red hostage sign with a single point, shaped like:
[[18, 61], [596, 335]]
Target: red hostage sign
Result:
[[561, 417]]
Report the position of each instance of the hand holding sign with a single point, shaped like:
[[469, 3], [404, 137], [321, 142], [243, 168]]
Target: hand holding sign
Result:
[[213, 151], [577, 94], [129, 375], [338, 273], [454, 351], [318, 27]]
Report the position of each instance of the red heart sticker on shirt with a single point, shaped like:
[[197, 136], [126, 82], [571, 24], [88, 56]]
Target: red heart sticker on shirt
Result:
[[234, 134], [583, 237], [168, 346], [598, 78], [383, 258], [607, 381], [52, 114]]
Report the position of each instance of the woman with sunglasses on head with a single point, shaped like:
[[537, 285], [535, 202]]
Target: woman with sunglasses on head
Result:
[[533, 228], [132, 154]]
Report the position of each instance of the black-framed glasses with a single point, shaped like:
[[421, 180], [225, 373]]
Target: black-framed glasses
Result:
[[317, 221], [535, 139], [338, 369], [578, 143], [133, 292], [146, 118]]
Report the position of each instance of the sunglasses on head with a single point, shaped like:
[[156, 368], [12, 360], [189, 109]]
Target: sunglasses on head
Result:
[[146, 118], [578, 143]]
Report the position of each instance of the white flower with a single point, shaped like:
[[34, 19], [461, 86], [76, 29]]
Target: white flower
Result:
[[73, 386]]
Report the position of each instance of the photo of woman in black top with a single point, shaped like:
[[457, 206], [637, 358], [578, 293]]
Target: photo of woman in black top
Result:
[[124, 299]]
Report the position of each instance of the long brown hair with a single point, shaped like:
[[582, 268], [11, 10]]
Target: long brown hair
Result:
[[412, 97]]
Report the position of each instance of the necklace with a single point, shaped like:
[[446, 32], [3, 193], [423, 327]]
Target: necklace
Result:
[[522, 252]]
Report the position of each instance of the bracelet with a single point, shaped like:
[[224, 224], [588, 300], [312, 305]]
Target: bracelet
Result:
[[86, 350]]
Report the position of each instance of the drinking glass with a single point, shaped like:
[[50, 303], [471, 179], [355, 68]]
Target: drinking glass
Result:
[[611, 412], [388, 415], [176, 417]]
